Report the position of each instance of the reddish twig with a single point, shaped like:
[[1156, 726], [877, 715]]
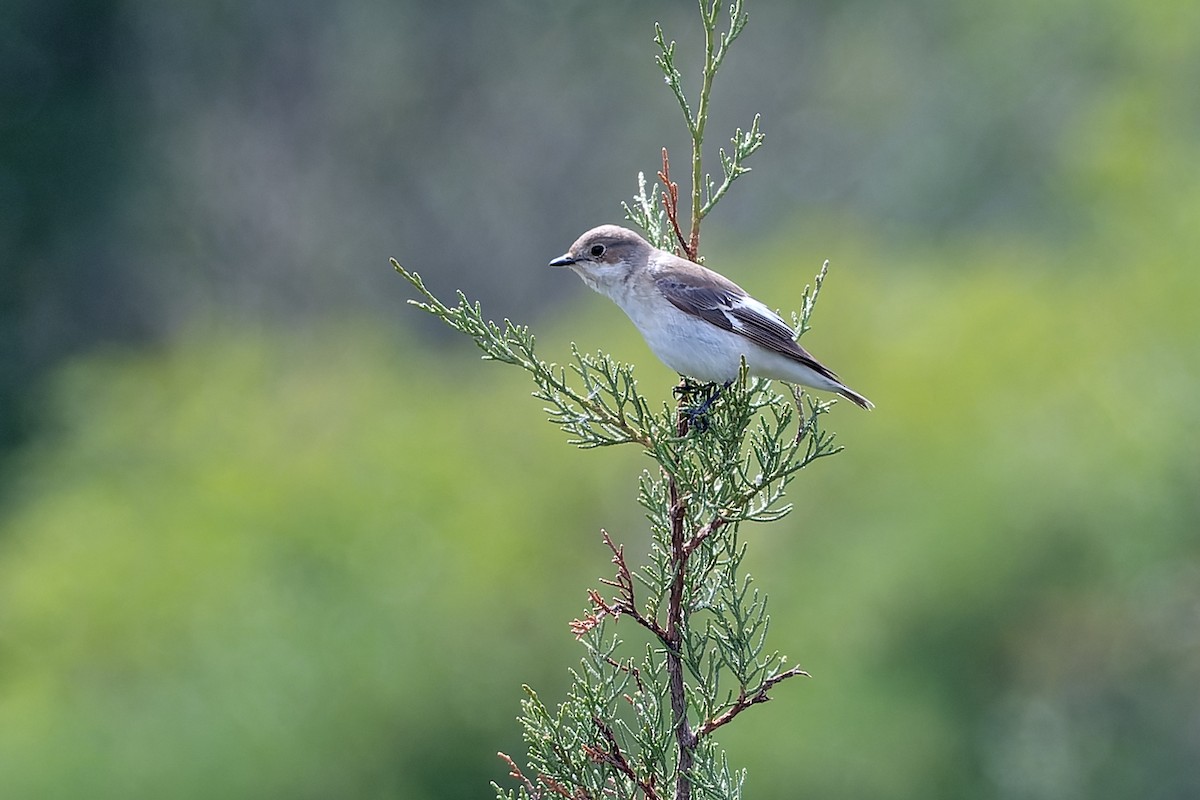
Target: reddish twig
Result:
[[672, 635], [600, 610], [624, 603], [670, 201], [629, 669], [702, 534], [616, 758], [746, 700], [579, 627], [562, 791], [516, 774]]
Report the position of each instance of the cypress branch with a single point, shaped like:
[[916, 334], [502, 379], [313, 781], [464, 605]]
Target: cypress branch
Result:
[[640, 722]]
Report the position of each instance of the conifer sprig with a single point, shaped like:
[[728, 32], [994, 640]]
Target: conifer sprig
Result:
[[640, 716]]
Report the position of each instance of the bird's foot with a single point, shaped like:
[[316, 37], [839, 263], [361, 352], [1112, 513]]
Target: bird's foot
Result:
[[697, 416], [688, 388]]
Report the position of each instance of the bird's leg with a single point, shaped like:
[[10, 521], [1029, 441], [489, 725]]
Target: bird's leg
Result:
[[685, 390], [698, 415], [687, 387]]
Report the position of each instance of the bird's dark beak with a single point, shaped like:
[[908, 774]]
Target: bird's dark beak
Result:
[[565, 260]]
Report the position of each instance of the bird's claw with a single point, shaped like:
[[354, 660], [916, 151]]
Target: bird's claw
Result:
[[697, 416], [687, 387]]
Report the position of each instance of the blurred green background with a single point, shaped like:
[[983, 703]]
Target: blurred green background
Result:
[[267, 532]]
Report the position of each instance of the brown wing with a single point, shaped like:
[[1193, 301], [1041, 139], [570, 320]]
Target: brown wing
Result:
[[718, 300]]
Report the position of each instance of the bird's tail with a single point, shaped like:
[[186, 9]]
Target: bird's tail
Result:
[[855, 397]]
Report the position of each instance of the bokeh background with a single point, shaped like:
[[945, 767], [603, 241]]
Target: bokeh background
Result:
[[266, 531]]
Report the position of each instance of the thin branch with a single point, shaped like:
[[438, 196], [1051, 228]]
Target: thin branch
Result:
[[666, 61], [809, 302], [617, 759], [676, 624], [647, 213], [625, 602], [589, 415], [745, 143], [670, 201], [702, 534], [553, 785], [745, 700], [515, 773], [734, 470], [699, 123], [716, 46]]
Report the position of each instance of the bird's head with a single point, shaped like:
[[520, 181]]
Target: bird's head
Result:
[[606, 257]]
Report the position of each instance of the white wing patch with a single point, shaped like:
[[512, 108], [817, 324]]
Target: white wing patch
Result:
[[756, 314], [718, 300]]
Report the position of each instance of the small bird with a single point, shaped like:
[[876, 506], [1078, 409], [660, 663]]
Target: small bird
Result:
[[697, 322]]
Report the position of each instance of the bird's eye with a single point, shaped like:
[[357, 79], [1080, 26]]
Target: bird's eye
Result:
[[597, 250]]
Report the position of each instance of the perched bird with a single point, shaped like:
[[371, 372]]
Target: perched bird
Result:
[[697, 322]]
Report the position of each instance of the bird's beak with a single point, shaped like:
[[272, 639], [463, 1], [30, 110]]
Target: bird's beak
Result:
[[565, 260]]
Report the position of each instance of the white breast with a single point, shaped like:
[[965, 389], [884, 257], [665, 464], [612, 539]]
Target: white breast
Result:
[[686, 344]]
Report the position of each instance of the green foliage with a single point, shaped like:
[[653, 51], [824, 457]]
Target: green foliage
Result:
[[605, 410], [707, 661], [697, 604], [232, 566], [705, 192], [269, 551], [751, 442]]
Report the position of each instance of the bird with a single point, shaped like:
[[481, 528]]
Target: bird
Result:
[[696, 321]]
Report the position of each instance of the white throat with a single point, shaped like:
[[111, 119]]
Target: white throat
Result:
[[605, 278]]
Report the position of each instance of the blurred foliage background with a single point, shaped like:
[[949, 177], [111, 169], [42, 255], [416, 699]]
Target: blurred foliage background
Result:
[[266, 532]]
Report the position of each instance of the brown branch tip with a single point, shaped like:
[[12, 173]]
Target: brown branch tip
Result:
[[670, 201], [745, 700], [708, 530], [515, 773], [591, 620], [616, 758]]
